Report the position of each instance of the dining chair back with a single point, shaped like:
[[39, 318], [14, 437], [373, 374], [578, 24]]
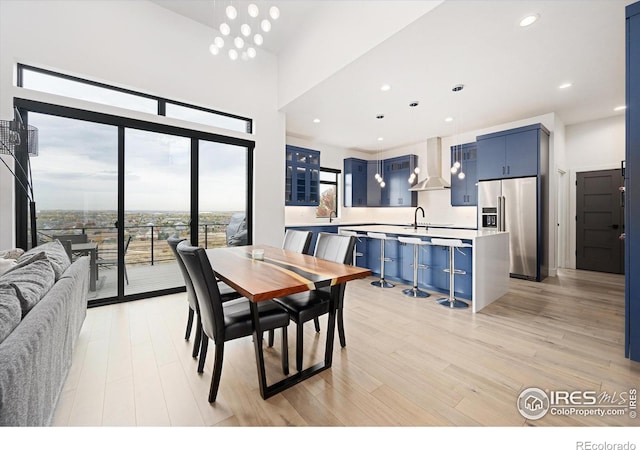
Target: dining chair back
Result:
[[310, 305], [223, 322], [297, 241]]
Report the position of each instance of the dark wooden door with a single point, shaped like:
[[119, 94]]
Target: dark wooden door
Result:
[[599, 221]]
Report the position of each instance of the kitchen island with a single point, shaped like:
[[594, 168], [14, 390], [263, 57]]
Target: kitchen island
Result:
[[486, 262]]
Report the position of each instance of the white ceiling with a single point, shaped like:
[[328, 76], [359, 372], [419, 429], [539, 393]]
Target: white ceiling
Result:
[[509, 73]]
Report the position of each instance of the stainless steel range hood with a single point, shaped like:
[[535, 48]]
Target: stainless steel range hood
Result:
[[434, 180]]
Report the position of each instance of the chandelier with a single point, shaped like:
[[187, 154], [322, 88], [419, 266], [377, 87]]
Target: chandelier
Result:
[[240, 28]]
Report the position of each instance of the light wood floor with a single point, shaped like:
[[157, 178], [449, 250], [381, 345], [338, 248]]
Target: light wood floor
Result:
[[408, 362]]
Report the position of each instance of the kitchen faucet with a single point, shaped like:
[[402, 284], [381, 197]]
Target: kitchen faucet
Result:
[[335, 214], [415, 217]]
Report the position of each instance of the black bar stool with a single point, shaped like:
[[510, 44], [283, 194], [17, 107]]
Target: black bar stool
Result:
[[416, 242], [454, 245], [382, 283]]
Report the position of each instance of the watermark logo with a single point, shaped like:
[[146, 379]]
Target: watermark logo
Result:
[[534, 403]]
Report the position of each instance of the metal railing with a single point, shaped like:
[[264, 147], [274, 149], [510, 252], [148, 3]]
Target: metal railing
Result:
[[148, 244]]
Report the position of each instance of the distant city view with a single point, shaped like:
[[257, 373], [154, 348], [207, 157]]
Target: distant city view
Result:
[[149, 230]]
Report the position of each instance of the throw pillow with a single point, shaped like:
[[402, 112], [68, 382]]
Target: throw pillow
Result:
[[25, 261], [10, 312], [13, 253], [56, 254], [6, 264], [30, 282]]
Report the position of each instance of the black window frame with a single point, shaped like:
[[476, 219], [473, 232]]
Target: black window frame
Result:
[[336, 183]]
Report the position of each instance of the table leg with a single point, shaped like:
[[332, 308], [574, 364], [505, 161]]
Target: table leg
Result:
[[269, 391]]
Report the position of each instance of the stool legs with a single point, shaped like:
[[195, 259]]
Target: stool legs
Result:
[[414, 291], [451, 301], [382, 283]]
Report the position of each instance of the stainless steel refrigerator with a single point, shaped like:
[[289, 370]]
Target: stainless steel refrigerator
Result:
[[513, 205]]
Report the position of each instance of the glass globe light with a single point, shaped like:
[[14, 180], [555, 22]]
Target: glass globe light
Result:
[[410, 179], [225, 29], [231, 12], [377, 177], [383, 184], [274, 12], [239, 42], [456, 164], [219, 42], [454, 169], [253, 10], [416, 170], [245, 29], [265, 25], [233, 54], [251, 52], [461, 175], [214, 49], [257, 39]]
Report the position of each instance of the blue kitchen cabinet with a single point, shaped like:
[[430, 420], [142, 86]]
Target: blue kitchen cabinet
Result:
[[440, 279], [374, 192], [396, 175], [511, 154], [632, 185], [465, 192], [355, 182], [424, 259], [302, 177], [392, 269]]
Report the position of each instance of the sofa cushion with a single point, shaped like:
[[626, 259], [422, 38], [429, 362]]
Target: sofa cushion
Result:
[[31, 283], [12, 253], [6, 264], [10, 311], [25, 262], [56, 254]]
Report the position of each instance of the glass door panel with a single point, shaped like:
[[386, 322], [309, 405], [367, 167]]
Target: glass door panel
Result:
[[75, 183], [222, 197], [157, 205]]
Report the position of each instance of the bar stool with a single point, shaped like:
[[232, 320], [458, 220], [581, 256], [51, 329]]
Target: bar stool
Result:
[[453, 244], [357, 235], [416, 242], [382, 283]]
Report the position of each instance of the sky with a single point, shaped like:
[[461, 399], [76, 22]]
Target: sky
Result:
[[76, 169]]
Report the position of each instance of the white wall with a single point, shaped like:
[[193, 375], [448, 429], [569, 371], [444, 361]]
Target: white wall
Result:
[[595, 145], [144, 47]]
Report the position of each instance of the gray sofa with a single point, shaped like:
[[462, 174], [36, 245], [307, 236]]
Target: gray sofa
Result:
[[35, 356]]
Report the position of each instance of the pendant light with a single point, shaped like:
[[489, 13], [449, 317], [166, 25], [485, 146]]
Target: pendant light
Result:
[[456, 167]]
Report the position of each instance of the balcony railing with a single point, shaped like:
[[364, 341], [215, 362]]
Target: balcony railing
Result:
[[148, 243]]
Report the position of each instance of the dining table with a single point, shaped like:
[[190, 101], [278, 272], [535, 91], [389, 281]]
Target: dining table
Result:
[[278, 273]]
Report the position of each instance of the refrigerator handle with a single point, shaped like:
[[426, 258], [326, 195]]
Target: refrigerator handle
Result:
[[501, 213]]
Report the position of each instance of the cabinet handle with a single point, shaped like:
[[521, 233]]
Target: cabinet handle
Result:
[[508, 170], [502, 170]]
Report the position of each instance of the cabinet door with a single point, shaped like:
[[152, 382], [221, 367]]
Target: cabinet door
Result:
[[458, 186], [359, 197], [374, 192], [522, 154], [472, 183], [491, 158]]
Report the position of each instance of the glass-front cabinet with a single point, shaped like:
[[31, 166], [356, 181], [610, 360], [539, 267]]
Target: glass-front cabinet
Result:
[[302, 182]]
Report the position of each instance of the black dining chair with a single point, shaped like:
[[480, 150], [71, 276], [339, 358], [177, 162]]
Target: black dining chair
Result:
[[226, 293], [310, 305], [226, 321], [297, 241]]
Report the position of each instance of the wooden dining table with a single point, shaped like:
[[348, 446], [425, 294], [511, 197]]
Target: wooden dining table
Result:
[[280, 273]]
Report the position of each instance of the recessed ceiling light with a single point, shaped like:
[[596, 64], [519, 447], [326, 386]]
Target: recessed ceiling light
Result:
[[380, 116], [316, 120], [526, 21], [565, 85], [414, 104], [449, 119], [620, 108], [385, 87], [381, 139]]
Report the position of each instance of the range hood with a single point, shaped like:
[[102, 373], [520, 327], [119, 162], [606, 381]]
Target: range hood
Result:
[[434, 180]]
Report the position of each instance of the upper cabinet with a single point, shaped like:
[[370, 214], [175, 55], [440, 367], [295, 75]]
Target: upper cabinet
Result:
[[464, 192], [362, 189], [512, 153], [302, 182]]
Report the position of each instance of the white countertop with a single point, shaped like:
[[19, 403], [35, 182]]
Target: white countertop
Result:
[[407, 230]]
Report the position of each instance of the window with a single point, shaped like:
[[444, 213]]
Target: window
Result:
[[92, 91], [328, 192]]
